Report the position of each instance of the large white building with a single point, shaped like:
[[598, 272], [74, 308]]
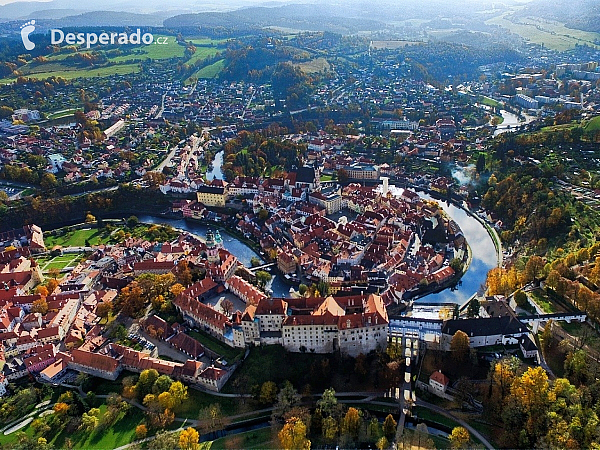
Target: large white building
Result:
[[351, 325]]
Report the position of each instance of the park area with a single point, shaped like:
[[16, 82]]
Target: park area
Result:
[[60, 262]]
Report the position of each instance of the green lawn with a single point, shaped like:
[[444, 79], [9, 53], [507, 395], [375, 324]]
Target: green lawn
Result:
[[59, 262], [199, 400], [489, 101], [544, 302], [120, 433], [424, 413], [210, 71], [202, 53], [593, 125], [255, 439], [274, 363], [553, 35], [77, 238], [216, 346], [63, 113], [72, 73], [171, 49]]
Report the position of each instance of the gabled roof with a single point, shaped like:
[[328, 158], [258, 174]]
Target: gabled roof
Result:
[[489, 326], [440, 378]]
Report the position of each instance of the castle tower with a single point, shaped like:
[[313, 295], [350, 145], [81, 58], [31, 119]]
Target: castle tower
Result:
[[385, 188], [212, 250], [218, 239]]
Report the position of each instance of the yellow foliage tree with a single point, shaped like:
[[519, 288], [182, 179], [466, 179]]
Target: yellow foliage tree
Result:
[[293, 435], [188, 439]]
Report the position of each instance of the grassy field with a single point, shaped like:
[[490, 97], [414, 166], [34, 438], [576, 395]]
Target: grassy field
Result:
[[544, 302], [255, 439], [202, 53], [199, 400], [210, 71], [553, 35], [63, 113], [593, 125], [489, 102], [314, 65], [69, 74], [94, 236], [77, 238], [120, 433], [59, 262], [216, 346]]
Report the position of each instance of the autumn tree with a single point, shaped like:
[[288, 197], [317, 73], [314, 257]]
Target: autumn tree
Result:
[[389, 426], [211, 418], [227, 307], [131, 300], [141, 431], [179, 392], [351, 422], [145, 382], [42, 290], [188, 439], [460, 346], [39, 306], [534, 268], [293, 435], [268, 392], [330, 428], [104, 309], [459, 438], [382, 443]]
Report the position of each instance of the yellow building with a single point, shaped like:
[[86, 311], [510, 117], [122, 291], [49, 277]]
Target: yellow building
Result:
[[212, 195]]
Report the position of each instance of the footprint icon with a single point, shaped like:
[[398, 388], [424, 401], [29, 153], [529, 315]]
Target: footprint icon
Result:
[[26, 29]]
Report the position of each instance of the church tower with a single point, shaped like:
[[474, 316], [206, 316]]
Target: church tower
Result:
[[212, 247]]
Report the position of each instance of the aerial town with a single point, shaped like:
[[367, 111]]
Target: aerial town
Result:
[[257, 236]]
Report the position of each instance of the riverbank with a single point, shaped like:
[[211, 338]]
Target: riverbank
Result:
[[491, 231]]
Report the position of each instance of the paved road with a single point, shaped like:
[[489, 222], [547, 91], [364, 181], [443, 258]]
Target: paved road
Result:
[[448, 414], [167, 160]]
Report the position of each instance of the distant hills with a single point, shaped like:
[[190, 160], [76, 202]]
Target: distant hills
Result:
[[301, 17], [577, 14]]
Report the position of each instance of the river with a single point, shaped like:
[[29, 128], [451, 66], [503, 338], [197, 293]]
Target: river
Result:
[[236, 247], [484, 255], [511, 121], [216, 165]]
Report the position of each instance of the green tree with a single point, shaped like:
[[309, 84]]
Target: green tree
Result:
[[145, 382], [521, 299], [268, 392], [287, 399], [328, 403], [457, 265], [262, 277], [473, 308]]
